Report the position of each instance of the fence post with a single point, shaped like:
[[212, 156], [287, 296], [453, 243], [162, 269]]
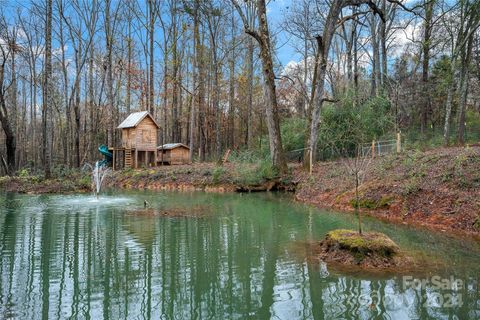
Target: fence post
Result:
[[399, 142], [373, 149], [311, 160]]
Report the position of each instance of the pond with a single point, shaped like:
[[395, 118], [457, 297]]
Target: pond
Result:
[[75, 256]]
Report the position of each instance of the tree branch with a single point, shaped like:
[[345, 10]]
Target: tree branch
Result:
[[350, 17]]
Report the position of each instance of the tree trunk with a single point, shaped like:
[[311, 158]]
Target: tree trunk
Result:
[[355, 66], [216, 103], [129, 65], [91, 105], [383, 50], [76, 106], [47, 94], [427, 32], [375, 57], [321, 65], [464, 77], [151, 86], [176, 129], [10, 139], [165, 97], [201, 96], [231, 90], [448, 107], [109, 71], [196, 61], [319, 81], [271, 108], [67, 134], [249, 135]]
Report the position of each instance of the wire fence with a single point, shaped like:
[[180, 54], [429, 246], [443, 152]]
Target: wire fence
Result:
[[373, 149], [379, 148], [431, 139]]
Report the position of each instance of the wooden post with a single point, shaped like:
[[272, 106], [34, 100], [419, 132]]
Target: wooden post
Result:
[[311, 160], [399, 142], [373, 149], [135, 165], [113, 160]]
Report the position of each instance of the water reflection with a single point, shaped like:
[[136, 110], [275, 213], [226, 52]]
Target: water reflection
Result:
[[100, 262]]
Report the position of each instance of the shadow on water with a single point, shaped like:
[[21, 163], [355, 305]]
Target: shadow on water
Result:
[[63, 256]]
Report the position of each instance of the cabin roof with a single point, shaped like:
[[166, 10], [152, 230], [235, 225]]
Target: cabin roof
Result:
[[134, 119], [170, 146]]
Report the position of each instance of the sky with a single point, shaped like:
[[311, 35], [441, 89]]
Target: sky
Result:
[[276, 11], [286, 53]]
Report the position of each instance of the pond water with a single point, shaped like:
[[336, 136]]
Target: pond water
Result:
[[76, 257]]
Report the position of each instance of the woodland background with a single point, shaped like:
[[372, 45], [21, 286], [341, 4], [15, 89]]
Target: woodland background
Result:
[[209, 72]]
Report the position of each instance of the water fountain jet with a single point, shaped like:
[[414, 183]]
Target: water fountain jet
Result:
[[99, 173]]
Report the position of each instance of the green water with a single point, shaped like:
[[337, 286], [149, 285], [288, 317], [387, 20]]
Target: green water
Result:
[[73, 257]]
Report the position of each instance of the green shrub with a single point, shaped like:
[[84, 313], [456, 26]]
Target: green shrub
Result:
[[4, 180], [293, 133], [253, 173], [217, 174], [266, 170], [385, 202], [246, 174], [245, 156], [63, 171], [24, 173], [85, 181], [158, 174], [128, 171], [345, 125], [411, 186]]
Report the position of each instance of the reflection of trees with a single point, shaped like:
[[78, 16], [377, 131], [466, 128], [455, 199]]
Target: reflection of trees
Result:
[[271, 248], [109, 265], [9, 241], [47, 242]]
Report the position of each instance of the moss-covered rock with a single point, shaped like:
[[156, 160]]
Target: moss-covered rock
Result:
[[365, 243], [369, 250], [367, 203]]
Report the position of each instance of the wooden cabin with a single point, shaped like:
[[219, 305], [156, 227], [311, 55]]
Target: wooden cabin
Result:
[[173, 153], [139, 141]]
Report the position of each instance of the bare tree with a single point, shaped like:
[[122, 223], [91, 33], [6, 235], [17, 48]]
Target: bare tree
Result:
[[7, 48], [251, 13], [47, 93], [324, 43], [461, 35], [357, 166]]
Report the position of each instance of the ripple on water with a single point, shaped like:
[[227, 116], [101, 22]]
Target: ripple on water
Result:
[[90, 201]]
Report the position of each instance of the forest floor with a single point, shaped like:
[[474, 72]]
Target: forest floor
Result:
[[437, 189]]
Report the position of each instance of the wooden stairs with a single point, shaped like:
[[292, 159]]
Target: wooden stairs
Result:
[[128, 158]]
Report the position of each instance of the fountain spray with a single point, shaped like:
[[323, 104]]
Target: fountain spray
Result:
[[99, 173]]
